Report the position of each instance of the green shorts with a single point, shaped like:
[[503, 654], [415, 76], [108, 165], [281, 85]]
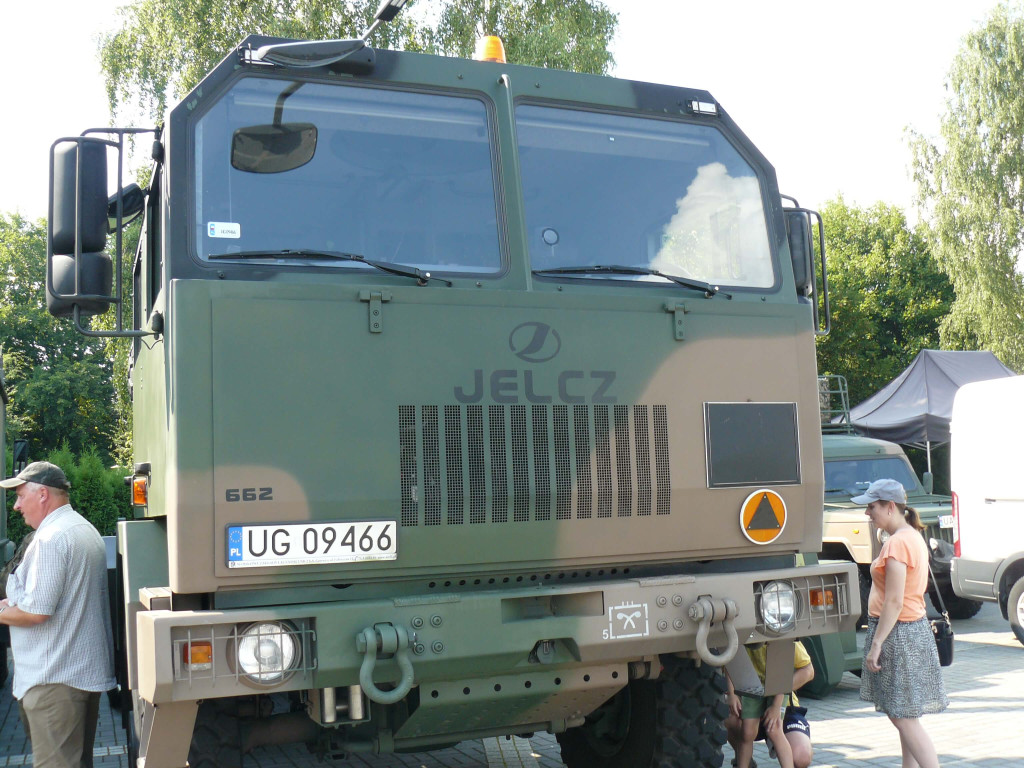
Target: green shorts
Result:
[[754, 706]]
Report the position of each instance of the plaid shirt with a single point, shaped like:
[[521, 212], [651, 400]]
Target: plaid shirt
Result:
[[63, 576]]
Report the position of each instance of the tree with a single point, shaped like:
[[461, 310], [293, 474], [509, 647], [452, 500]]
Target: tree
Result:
[[60, 382], [971, 186], [887, 296], [571, 35], [164, 47]]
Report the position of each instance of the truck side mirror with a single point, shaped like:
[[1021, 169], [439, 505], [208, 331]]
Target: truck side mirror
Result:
[[928, 481], [798, 229], [78, 195], [95, 276], [133, 202], [800, 234], [78, 273], [19, 449]]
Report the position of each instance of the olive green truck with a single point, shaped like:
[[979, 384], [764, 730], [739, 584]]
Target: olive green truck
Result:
[[470, 399]]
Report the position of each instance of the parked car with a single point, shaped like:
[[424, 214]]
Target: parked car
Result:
[[988, 496], [852, 463]]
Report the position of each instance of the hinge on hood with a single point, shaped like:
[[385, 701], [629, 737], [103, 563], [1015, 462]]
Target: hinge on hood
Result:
[[376, 299]]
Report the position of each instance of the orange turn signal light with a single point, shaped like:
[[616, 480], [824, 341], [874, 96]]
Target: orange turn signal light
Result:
[[197, 655], [140, 490], [822, 599], [490, 48]]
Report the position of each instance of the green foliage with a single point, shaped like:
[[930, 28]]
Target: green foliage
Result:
[[164, 47], [119, 351], [98, 493], [571, 35], [887, 296], [59, 381], [969, 182]]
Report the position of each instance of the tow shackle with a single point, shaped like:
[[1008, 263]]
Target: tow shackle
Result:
[[706, 611], [385, 638]]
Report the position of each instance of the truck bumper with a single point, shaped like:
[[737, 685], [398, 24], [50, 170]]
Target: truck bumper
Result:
[[486, 634], [974, 579]]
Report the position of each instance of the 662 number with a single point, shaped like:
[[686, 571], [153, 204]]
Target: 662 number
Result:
[[249, 494]]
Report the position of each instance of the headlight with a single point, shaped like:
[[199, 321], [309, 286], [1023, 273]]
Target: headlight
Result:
[[778, 606], [883, 536], [266, 653]]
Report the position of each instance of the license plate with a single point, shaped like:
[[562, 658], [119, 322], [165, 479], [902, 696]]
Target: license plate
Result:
[[267, 546], [945, 521]]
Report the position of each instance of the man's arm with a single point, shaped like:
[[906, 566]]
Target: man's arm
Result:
[[13, 616]]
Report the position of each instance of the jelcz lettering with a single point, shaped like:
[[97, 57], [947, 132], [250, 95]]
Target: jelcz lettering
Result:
[[507, 385]]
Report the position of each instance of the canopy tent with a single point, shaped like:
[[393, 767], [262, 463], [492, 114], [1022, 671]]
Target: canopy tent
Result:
[[915, 408]]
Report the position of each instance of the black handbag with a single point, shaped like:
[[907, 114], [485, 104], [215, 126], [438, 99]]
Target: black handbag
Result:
[[941, 628]]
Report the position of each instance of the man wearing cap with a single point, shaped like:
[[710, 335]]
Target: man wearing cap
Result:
[[58, 612]]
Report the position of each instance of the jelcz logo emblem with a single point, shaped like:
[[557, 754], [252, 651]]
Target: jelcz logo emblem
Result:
[[534, 342]]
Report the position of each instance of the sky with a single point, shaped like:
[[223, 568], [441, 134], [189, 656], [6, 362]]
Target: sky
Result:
[[824, 88]]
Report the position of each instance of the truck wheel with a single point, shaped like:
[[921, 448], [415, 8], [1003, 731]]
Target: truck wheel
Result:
[[216, 739], [864, 581], [957, 607], [1015, 609], [676, 721]]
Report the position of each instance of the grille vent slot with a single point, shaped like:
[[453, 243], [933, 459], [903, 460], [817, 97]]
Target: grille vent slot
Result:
[[470, 464]]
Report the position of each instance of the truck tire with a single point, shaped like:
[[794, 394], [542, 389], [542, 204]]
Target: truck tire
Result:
[[676, 721], [957, 607], [216, 739], [1015, 609]]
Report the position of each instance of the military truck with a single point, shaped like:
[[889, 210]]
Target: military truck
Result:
[[470, 399], [852, 463]]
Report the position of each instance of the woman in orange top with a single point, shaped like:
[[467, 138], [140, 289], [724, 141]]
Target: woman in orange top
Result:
[[901, 672]]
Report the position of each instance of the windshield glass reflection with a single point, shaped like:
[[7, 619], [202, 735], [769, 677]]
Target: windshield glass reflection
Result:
[[666, 195]]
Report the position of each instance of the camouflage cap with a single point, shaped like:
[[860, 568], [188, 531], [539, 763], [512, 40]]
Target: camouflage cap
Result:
[[42, 472], [882, 490]]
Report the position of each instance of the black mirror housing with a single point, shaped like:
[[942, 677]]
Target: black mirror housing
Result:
[[798, 230], [78, 195], [95, 280], [133, 202]]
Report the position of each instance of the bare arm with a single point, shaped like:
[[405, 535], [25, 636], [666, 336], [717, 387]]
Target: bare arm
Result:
[[13, 616], [802, 676], [895, 586]]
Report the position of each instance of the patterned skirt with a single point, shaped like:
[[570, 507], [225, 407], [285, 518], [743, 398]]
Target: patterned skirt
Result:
[[910, 681]]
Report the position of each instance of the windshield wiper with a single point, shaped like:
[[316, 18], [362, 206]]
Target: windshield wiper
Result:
[[708, 289], [402, 270]]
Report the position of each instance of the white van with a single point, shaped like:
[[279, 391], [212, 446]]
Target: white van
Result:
[[987, 478]]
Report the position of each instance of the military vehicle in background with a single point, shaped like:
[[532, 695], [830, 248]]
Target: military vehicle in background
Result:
[[852, 463], [470, 399]]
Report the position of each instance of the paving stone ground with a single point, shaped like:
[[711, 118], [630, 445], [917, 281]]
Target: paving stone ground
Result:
[[983, 728]]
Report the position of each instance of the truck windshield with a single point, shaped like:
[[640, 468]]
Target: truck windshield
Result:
[[661, 194], [396, 177], [851, 477]]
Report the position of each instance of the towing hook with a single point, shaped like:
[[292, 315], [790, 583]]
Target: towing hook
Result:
[[385, 638], [705, 612]]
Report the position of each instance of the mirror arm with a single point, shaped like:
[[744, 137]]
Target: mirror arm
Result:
[[113, 334]]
